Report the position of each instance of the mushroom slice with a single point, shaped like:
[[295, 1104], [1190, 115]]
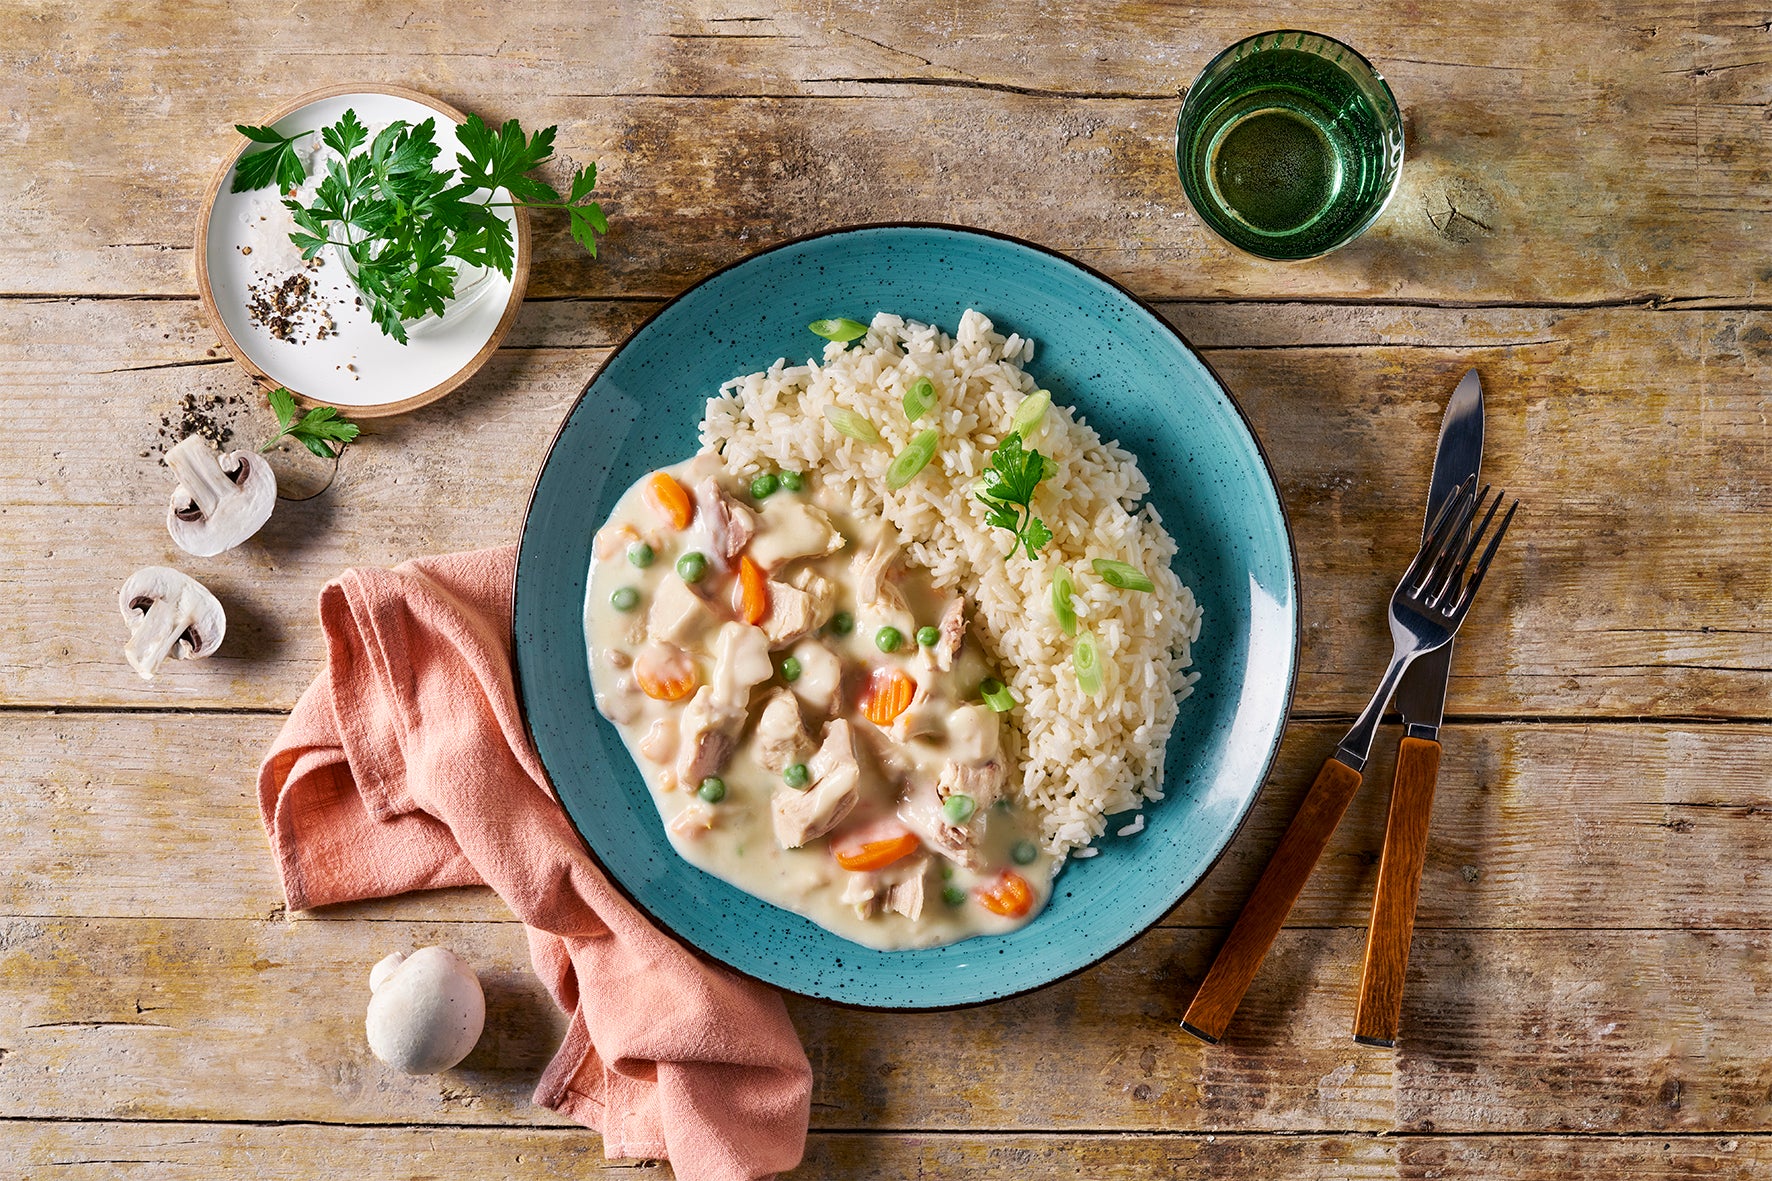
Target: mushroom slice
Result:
[[169, 614], [221, 500]]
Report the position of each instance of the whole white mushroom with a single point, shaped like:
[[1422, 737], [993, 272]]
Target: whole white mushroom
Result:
[[426, 1010]]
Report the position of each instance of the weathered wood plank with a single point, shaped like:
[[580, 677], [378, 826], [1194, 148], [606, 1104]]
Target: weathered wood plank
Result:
[[1633, 582], [201, 1152], [1535, 171], [144, 816], [1503, 1031]]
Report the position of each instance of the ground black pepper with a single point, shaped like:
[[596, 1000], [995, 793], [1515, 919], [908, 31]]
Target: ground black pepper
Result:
[[209, 416], [289, 306]]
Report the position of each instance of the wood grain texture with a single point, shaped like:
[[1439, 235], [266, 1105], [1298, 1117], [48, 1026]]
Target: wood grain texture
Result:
[[1379, 1010], [153, 816], [178, 1151], [717, 136], [1257, 925], [1521, 1031], [1631, 583]]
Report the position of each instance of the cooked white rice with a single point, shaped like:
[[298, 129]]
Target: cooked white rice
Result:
[[1079, 758]]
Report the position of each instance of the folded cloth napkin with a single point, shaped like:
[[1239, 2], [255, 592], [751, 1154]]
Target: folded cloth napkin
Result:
[[405, 766]]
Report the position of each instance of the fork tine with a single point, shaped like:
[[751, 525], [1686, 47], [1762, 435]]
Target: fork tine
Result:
[[1436, 570], [1476, 579], [1436, 531], [1455, 576]]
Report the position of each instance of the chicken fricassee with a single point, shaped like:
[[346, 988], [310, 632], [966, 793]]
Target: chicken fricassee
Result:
[[816, 721]]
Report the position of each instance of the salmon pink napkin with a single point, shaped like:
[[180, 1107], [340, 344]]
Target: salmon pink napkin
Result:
[[405, 766]]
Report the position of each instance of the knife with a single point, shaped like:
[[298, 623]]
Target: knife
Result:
[[1421, 700], [1264, 913]]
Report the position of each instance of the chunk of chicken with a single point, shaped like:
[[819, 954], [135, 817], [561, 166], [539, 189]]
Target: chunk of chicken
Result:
[[793, 529], [709, 736], [982, 782], [730, 524], [695, 819], [953, 633], [821, 677], [781, 738], [802, 816], [924, 717], [741, 662], [920, 809], [680, 616], [906, 896], [974, 734], [873, 575], [798, 607], [862, 891]]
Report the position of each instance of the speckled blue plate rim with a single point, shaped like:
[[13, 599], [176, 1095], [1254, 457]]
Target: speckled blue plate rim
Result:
[[1293, 589]]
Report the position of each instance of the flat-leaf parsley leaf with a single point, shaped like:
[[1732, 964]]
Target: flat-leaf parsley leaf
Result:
[[1009, 493], [317, 430]]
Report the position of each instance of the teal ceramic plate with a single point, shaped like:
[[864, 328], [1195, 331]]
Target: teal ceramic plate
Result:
[[1099, 349]]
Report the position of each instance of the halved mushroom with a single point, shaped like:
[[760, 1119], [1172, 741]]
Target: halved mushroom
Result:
[[167, 610], [221, 500]]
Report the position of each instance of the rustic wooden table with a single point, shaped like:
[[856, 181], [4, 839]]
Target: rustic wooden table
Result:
[[1584, 216]]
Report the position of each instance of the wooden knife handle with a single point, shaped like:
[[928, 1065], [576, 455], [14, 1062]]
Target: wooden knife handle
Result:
[[1399, 887], [1267, 908]]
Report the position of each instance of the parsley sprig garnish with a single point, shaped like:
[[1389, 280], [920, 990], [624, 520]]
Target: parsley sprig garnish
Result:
[[1009, 493], [317, 430], [400, 221]]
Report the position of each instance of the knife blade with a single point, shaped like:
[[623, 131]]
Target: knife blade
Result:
[[1421, 699]]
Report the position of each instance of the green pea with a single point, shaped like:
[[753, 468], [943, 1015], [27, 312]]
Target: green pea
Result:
[[842, 623], [796, 776], [712, 789], [1024, 853], [959, 808], [888, 638], [790, 670], [793, 481], [953, 895], [691, 567], [928, 637], [640, 554], [625, 598], [763, 485], [947, 872]]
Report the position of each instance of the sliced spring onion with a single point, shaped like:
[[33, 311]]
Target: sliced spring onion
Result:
[[1121, 575], [958, 808], [1048, 467], [839, 330], [849, 423], [1086, 659], [919, 398], [1029, 413], [1063, 587], [913, 459], [996, 695]]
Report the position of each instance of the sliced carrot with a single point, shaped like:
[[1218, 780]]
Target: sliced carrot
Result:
[[669, 500], [664, 673], [751, 596], [876, 846], [887, 694], [1009, 895]]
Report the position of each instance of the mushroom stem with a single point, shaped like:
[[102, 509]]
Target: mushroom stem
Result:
[[199, 473], [161, 628]]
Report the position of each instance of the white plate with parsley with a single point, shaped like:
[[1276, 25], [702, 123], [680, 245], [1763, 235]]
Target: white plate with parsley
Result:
[[316, 285]]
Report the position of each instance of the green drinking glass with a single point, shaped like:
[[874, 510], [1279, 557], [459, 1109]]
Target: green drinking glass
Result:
[[1289, 144]]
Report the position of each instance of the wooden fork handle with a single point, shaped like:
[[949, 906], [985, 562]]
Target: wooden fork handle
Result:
[[1399, 888], [1267, 908]]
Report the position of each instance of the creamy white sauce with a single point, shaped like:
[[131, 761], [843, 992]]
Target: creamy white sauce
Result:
[[736, 838]]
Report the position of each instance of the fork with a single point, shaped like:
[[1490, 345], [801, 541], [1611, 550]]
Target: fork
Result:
[[1430, 602]]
